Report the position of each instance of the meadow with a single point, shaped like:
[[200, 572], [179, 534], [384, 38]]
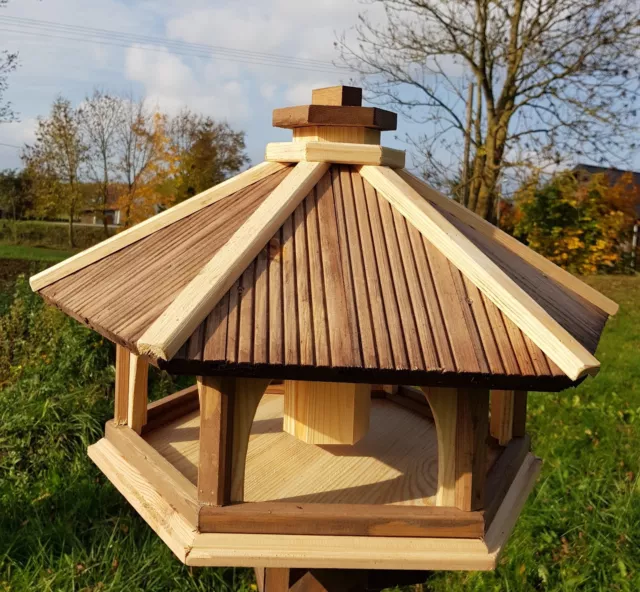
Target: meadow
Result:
[[63, 527]]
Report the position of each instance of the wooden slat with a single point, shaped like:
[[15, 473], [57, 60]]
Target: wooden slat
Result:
[[511, 243], [388, 289], [347, 275], [291, 117], [380, 330], [261, 332], [143, 229], [335, 152], [305, 335], [319, 327], [342, 519], [172, 484], [543, 330], [172, 328], [290, 317], [246, 323], [360, 291], [276, 339], [122, 385], [171, 407], [340, 345], [138, 384]]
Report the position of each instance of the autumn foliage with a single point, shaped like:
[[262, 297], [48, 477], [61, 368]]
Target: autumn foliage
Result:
[[583, 225]]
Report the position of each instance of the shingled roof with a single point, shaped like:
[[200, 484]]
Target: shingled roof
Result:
[[337, 270]]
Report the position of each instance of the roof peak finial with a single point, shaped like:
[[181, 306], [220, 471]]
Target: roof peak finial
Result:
[[344, 96]]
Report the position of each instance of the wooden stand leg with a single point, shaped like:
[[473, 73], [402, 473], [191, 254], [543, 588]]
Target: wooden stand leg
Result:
[[227, 409], [138, 395], [461, 417]]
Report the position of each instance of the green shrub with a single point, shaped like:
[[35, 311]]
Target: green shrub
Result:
[[48, 234]]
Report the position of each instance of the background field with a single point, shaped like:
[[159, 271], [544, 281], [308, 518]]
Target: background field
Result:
[[64, 527]]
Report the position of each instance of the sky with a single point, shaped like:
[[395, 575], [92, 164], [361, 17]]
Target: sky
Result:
[[242, 91]]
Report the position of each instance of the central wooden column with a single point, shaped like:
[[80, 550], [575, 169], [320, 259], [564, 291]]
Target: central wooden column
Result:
[[326, 412]]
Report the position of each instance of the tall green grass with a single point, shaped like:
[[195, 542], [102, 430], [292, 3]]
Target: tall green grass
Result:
[[63, 527]]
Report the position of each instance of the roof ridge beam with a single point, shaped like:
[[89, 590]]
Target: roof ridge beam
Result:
[[514, 245], [191, 306], [335, 152], [143, 229], [570, 356]]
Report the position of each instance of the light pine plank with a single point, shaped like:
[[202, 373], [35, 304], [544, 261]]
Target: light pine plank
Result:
[[122, 385], [335, 152], [147, 227], [138, 383], [172, 328], [525, 312]]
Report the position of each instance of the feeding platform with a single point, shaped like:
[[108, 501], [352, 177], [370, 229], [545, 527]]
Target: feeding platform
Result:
[[363, 347]]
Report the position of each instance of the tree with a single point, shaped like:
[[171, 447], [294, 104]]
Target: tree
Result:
[[538, 79], [579, 225], [147, 162], [208, 152], [56, 160], [8, 63], [100, 119], [14, 192]]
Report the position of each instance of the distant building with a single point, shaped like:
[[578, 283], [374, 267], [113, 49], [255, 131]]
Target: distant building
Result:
[[112, 213]]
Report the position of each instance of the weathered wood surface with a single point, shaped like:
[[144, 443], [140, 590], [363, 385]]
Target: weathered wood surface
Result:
[[348, 274]]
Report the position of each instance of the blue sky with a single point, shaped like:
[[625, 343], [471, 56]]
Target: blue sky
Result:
[[244, 94]]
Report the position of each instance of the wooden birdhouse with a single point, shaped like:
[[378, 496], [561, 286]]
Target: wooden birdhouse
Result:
[[362, 346]]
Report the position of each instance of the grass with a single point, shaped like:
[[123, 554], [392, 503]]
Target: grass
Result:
[[64, 527], [54, 235], [28, 253]]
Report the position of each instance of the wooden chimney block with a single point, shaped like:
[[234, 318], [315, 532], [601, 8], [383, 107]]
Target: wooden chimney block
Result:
[[326, 412], [350, 96]]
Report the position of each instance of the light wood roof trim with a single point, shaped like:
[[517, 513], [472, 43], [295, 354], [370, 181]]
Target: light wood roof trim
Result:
[[153, 224], [174, 326], [335, 152], [529, 255], [572, 358]]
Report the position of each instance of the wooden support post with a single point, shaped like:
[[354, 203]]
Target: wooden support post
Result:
[[519, 427], [122, 385], [227, 409], [508, 415], [138, 396], [326, 412], [461, 417]]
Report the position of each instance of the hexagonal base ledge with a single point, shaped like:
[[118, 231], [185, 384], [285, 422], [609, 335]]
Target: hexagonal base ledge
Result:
[[166, 499]]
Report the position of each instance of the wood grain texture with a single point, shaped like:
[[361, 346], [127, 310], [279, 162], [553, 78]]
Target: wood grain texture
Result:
[[372, 117], [352, 285], [121, 295], [502, 409], [196, 300], [461, 417], [566, 351], [342, 519], [337, 95], [152, 225], [138, 392], [335, 152], [326, 412], [122, 386], [497, 236], [336, 133]]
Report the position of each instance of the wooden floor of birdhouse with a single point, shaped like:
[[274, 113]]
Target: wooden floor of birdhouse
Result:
[[393, 466], [395, 463]]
